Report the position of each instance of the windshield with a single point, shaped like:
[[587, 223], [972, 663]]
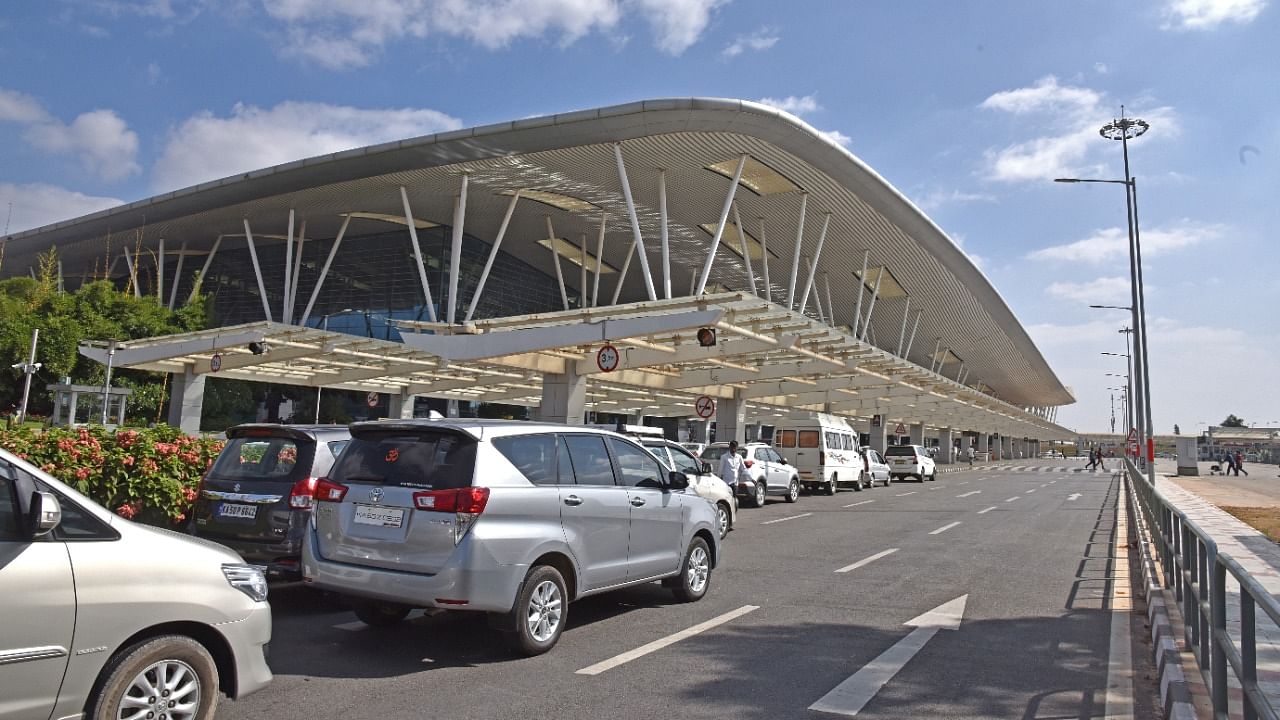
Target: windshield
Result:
[[426, 460], [900, 451], [263, 459]]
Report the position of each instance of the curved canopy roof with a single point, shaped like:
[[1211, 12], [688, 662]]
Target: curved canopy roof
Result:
[[565, 167]]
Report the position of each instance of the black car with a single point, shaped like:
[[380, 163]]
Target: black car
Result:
[[256, 498]]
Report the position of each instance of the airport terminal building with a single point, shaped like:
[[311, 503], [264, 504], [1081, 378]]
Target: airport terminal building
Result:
[[687, 258]]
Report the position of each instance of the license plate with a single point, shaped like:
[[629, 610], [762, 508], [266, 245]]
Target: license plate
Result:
[[901, 462], [230, 510], [379, 516]]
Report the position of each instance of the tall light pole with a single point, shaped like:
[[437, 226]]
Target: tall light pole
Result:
[[1131, 416]]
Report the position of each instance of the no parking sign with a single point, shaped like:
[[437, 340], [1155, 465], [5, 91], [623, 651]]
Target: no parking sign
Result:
[[705, 406]]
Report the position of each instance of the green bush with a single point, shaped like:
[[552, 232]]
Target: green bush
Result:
[[147, 475]]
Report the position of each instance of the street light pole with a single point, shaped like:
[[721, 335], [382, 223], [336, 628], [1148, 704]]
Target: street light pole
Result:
[[28, 368]]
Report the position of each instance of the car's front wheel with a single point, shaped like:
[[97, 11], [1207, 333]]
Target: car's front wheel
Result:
[[171, 676], [723, 519], [695, 572], [793, 490], [540, 613]]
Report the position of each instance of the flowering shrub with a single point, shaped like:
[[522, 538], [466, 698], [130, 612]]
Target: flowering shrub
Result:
[[146, 475]]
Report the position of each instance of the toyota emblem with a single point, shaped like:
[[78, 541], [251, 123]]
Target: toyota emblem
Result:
[[375, 495]]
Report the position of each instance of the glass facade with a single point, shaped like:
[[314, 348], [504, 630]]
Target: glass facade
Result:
[[373, 279]]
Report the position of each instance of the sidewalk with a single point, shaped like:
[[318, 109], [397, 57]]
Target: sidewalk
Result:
[[1250, 548]]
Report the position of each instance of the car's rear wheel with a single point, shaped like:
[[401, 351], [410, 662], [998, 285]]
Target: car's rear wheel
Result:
[[540, 613], [695, 572], [793, 490], [758, 499], [860, 483], [723, 518], [833, 485], [171, 676], [380, 614]]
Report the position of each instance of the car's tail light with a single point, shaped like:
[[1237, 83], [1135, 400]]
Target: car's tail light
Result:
[[748, 463], [327, 490], [466, 504], [300, 497], [822, 458]]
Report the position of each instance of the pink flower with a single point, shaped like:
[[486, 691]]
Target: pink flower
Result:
[[127, 511], [128, 460], [83, 473]]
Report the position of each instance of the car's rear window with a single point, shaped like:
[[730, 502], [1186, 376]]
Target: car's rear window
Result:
[[425, 460], [263, 458], [900, 451]]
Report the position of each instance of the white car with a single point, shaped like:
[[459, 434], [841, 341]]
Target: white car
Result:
[[910, 461], [701, 480], [874, 468], [694, 447], [770, 473]]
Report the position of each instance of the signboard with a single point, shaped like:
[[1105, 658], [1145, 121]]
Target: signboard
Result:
[[607, 358], [900, 430], [215, 362], [1131, 443], [704, 406], [371, 399], [876, 420]]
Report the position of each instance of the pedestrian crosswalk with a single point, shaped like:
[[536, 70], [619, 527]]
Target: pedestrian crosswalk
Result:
[[1041, 468]]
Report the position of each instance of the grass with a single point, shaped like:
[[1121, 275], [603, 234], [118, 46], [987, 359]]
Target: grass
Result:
[[1264, 520]]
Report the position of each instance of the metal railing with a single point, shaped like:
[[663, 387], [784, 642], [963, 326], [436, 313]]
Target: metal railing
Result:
[[1197, 570]]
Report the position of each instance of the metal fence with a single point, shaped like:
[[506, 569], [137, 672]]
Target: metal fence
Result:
[[1197, 570]]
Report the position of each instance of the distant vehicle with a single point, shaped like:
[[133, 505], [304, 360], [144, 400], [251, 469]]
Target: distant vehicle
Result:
[[701, 479], [1051, 454], [770, 472], [822, 448], [694, 447], [874, 467], [256, 499], [513, 519], [98, 613], [910, 461]]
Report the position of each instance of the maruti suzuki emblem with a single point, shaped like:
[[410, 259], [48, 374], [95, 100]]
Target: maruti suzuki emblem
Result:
[[236, 488], [375, 495]]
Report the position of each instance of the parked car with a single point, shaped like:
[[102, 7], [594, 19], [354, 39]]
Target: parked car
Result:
[[770, 472], [874, 467], [513, 519], [822, 448], [704, 482], [98, 612], [910, 461], [694, 447], [256, 498]]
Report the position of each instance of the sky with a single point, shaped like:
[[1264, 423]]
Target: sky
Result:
[[969, 108]]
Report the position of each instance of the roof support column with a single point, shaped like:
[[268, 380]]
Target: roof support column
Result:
[[914, 326], [177, 274], [983, 445], [862, 284], [666, 249], [257, 270], [902, 333], [795, 257], [159, 274], [133, 275], [831, 309], [731, 419], [746, 251], [813, 290], [564, 397], [324, 271], [764, 259], [417, 256], [555, 259], [916, 431], [817, 254], [637, 240], [933, 362], [724, 218], [288, 270], [582, 270], [960, 372], [493, 253], [875, 295], [455, 248], [879, 433], [297, 270], [946, 450], [186, 400], [204, 270], [595, 283]]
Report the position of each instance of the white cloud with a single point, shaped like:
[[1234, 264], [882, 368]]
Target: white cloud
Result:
[[206, 147], [20, 108], [761, 39], [1101, 68], [1046, 94], [796, 105], [1112, 244], [38, 204], [153, 73], [936, 199], [1209, 14], [836, 137], [1103, 290], [100, 139], [677, 24]]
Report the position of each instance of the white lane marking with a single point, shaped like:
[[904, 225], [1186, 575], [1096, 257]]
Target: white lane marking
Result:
[[784, 519], [660, 643], [849, 697], [983, 512], [867, 560], [1073, 496], [1015, 497], [1052, 482], [864, 502], [963, 482], [935, 488], [971, 492], [913, 492], [944, 528], [1030, 491], [351, 626]]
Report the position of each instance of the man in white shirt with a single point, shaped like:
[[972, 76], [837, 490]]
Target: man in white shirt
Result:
[[732, 468]]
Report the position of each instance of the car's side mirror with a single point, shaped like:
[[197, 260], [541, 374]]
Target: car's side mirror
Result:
[[45, 514], [784, 460], [677, 480], [706, 468]]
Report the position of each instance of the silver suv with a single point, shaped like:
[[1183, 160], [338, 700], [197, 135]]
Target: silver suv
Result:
[[101, 618], [509, 518]]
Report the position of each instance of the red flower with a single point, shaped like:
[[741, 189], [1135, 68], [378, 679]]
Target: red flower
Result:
[[180, 517], [83, 473], [128, 460], [127, 511], [189, 493]]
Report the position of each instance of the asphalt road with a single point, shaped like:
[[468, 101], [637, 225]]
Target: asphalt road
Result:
[[1029, 551]]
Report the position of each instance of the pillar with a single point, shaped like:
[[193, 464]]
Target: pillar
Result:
[[731, 420], [186, 400], [879, 435], [917, 433], [564, 397], [944, 447], [401, 406], [450, 409], [700, 431], [984, 445], [1006, 447]]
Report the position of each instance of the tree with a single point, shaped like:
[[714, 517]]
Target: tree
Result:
[[1232, 421]]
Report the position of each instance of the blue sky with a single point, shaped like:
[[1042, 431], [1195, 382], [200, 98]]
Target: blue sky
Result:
[[970, 108]]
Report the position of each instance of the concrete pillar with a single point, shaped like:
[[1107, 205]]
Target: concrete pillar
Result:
[[700, 431], [944, 447], [636, 418], [564, 398], [879, 436], [731, 420], [984, 445], [917, 433], [1006, 447], [1185, 446], [450, 409], [401, 406], [186, 400]]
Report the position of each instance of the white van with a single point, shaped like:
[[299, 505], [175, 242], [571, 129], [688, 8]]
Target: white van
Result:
[[823, 448]]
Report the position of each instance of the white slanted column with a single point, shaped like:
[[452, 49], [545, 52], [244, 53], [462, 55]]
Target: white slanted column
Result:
[[186, 400], [564, 398], [945, 449], [984, 445], [879, 436], [917, 433], [731, 421]]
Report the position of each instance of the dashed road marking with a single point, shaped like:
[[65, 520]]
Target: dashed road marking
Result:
[[944, 528], [864, 502], [867, 560], [671, 639], [784, 519], [1015, 497], [912, 492], [983, 512], [971, 492], [1030, 491]]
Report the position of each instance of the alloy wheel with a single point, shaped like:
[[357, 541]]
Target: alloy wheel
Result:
[[544, 611], [165, 690]]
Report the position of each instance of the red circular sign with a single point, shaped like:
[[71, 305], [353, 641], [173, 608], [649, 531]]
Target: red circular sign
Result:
[[371, 399], [607, 358], [215, 362], [704, 406]]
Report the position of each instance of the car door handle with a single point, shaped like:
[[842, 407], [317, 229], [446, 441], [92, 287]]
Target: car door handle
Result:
[[637, 501], [573, 500]]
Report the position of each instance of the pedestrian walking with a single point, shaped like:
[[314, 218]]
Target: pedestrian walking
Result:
[[1101, 462], [1240, 464], [1229, 461], [1093, 460], [969, 453], [732, 468]]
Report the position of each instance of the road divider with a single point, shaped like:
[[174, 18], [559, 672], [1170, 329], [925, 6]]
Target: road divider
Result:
[[671, 639], [867, 560]]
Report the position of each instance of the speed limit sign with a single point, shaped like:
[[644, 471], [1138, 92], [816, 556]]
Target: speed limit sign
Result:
[[607, 358], [704, 406], [215, 362]]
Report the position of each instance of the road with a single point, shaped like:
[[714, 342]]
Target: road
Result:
[[1029, 553]]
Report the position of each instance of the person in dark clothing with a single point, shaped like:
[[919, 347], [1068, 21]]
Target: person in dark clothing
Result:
[[1239, 464], [1093, 460]]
